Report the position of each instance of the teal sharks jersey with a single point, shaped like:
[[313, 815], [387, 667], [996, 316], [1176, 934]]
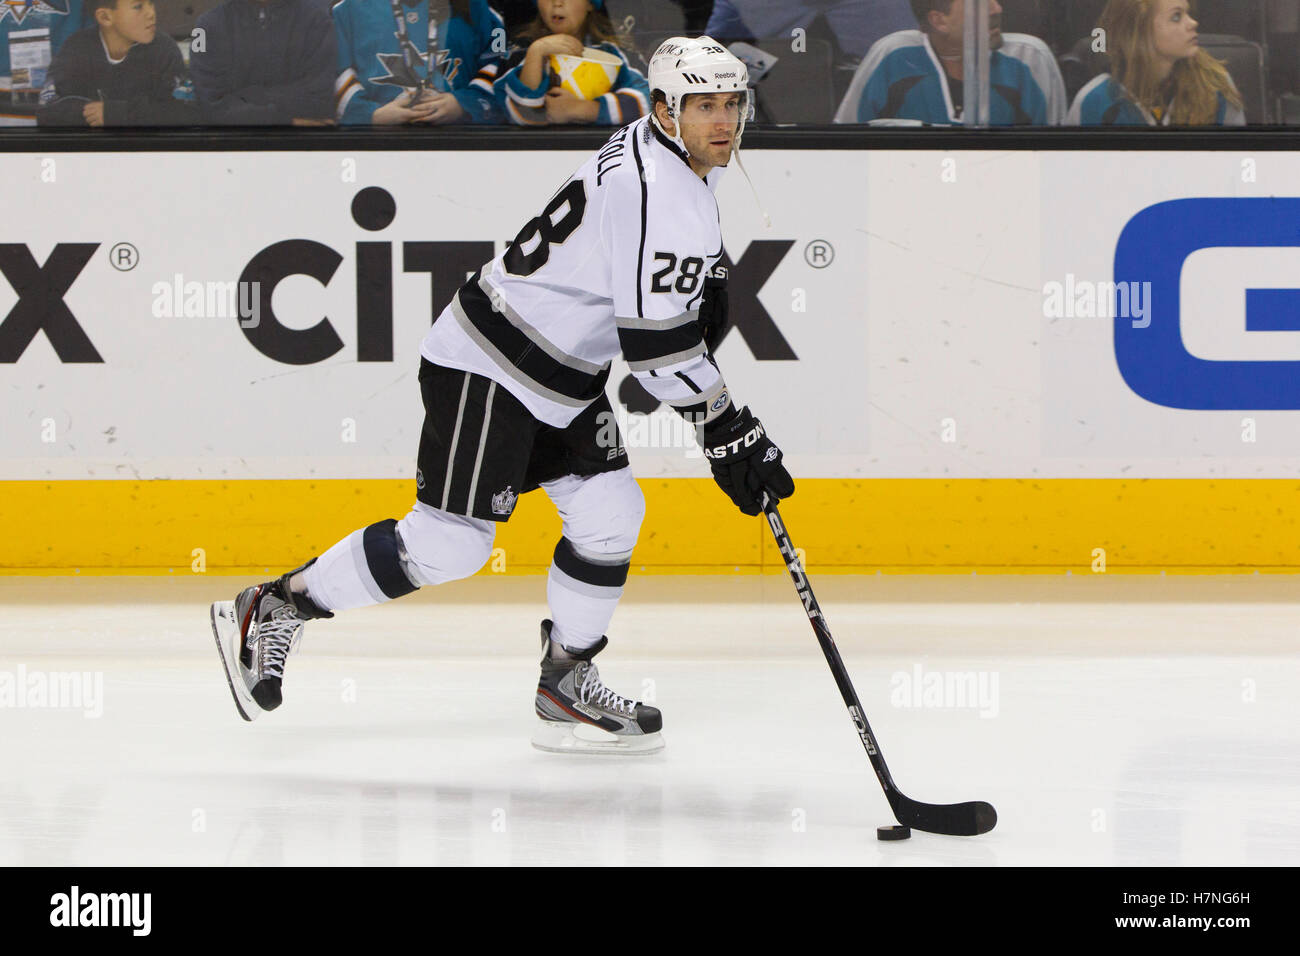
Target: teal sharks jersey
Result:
[[378, 60]]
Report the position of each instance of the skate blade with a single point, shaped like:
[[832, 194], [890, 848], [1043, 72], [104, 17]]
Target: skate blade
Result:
[[560, 737], [226, 631]]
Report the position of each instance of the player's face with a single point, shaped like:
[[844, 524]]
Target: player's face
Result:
[[954, 24], [1174, 32], [136, 20], [563, 16], [709, 125]]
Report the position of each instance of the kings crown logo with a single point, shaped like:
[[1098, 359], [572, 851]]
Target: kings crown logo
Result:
[[503, 502]]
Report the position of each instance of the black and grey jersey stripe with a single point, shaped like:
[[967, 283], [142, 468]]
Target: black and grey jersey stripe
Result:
[[650, 344], [529, 359]]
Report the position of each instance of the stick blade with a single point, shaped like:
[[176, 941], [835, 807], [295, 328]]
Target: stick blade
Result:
[[952, 819]]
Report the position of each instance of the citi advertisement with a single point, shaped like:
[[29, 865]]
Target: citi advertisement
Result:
[[907, 314], [259, 315]]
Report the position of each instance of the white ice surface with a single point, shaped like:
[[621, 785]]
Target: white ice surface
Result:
[[1140, 720]]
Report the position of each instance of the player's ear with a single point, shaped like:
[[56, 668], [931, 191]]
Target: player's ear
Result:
[[661, 114]]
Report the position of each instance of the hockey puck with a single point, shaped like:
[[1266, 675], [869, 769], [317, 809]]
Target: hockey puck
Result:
[[893, 833]]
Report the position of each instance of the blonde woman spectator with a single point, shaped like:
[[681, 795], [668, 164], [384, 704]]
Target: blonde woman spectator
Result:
[[1159, 75]]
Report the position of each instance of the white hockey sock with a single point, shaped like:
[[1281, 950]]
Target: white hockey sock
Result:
[[360, 570], [583, 590], [602, 514], [391, 558]]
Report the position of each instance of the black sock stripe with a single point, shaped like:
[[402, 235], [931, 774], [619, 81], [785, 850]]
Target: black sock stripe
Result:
[[379, 541], [600, 575]]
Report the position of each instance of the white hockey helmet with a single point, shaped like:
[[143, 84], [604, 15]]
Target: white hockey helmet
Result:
[[682, 66]]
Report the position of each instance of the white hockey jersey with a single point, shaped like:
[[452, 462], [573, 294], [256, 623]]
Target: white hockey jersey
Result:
[[616, 262]]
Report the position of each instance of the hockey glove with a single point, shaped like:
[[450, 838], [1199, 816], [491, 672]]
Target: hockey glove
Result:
[[713, 311], [745, 463]]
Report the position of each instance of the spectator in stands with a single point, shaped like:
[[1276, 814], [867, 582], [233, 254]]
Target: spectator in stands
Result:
[[920, 75], [45, 26], [1159, 75], [120, 72], [528, 92], [265, 62], [855, 24], [385, 75]]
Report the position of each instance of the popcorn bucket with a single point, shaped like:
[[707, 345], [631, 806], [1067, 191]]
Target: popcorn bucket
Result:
[[588, 76]]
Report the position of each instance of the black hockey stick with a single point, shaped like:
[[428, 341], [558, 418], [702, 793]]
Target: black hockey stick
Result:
[[955, 819]]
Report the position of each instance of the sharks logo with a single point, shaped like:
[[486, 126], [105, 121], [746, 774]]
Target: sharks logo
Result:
[[398, 71], [448, 65], [19, 9], [409, 69]]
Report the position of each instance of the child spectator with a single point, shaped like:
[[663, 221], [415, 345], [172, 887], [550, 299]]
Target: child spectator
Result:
[[118, 73], [387, 74], [265, 62], [1159, 75], [527, 91], [44, 25], [920, 76]]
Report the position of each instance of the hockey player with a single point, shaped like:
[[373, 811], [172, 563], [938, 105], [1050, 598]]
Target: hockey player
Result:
[[513, 378]]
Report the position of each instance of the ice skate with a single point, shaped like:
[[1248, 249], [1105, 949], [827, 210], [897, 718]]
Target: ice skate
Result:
[[579, 714], [255, 633]]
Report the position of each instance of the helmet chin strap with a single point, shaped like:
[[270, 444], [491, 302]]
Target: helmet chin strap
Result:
[[676, 137], [767, 220]]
